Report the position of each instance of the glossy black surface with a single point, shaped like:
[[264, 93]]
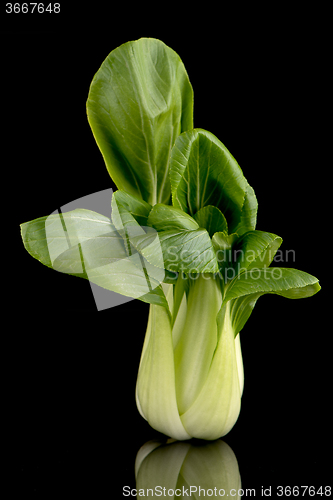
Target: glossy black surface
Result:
[[70, 371]]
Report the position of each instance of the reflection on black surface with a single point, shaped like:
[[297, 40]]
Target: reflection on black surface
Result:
[[182, 469]]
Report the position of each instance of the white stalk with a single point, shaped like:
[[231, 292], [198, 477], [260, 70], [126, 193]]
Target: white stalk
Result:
[[190, 377]]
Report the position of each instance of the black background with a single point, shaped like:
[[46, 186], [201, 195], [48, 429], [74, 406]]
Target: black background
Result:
[[70, 371]]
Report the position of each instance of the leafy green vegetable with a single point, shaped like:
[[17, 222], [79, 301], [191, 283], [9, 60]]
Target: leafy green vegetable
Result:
[[186, 247], [182, 236], [86, 244], [139, 101], [203, 172]]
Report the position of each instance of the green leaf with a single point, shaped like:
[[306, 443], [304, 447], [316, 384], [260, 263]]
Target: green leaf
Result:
[[212, 219], [223, 241], [255, 249], [185, 246], [136, 207], [287, 282], [34, 238], [203, 172], [126, 210], [133, 277], [248, 218], [164, 217], [86, 244], [244, 291], [184, 250], [223, 244], [139, 101], [241, 309], [49, 238]]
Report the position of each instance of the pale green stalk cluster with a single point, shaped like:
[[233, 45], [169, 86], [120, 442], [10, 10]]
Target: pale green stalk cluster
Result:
[[191, 371]]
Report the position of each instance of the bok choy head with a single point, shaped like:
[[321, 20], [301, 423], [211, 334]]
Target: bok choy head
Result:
[[181, 236]]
